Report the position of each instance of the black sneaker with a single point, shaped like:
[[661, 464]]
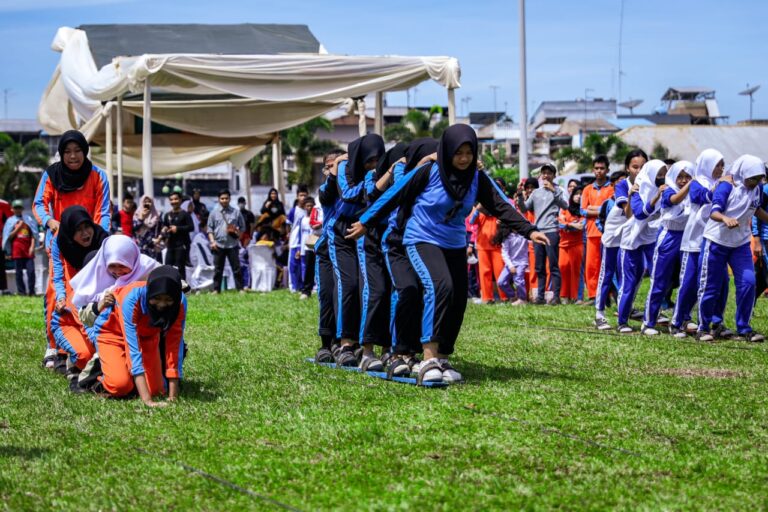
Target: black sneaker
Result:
[[76, 388], [555, 302], [636, 314], [60, 366], [540, 302], [720, 331]]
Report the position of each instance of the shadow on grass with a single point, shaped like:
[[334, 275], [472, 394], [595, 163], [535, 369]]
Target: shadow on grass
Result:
[[478, 372], [21, 452], [203, 391]]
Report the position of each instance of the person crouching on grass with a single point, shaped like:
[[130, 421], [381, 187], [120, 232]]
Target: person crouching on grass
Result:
[[440, 196], [141, 343]]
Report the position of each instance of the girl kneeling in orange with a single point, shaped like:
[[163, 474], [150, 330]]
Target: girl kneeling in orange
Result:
[[142, 340]]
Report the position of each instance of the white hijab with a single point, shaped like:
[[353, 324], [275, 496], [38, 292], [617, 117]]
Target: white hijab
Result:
[[741, 199], [646, 178], [705, 164], [676, 210], [94, 279]]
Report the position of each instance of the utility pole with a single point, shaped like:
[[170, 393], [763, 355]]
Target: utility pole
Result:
[[494, 88], [586, 92], [5, 103], [523, 152]]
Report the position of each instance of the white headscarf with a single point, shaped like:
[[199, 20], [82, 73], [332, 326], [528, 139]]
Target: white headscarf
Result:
[[94, 279], [705, 164], [646, 178], [740, 199], [670, 180]]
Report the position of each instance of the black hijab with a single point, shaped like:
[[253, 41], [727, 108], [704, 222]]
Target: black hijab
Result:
[[276, 209], [394, 154], [73, 252], [455, 181], [62, 177], [164, 280], [360, 151], [417, 150]]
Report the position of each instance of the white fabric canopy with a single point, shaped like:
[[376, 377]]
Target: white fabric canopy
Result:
[[272, 93]]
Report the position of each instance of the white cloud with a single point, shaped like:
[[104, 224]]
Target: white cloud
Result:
[[37, 5]]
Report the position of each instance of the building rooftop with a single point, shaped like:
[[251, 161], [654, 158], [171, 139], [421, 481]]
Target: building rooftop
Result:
[[20, 126]]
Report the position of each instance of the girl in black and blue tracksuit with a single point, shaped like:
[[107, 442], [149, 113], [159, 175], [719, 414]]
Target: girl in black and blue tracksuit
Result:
[[325, 277], [406, 295], [440, 197], [363, 155]]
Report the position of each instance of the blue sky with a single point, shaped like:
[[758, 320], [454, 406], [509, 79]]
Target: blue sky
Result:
[[571, 45]]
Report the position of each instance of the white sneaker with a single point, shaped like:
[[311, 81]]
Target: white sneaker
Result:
[[370, 363], [449, 372], [519, 302], [624, 329], [662, 320], [303, 296], [691, 327], [477, 300], [432, 375], [648, 331]]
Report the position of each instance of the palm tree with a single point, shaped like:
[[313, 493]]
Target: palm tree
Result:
[[594, 144], [14, 183], [416, 124]]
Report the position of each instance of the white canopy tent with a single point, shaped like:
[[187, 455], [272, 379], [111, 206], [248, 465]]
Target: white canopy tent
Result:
[[224, 107]]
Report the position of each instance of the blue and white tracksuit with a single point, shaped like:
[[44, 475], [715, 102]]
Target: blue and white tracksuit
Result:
[[610, 241], [699, 205], [435, 241], [638, 238], [666, 256], [724, 247]]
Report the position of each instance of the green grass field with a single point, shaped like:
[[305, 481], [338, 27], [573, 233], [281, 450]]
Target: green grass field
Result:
[[547, 419]]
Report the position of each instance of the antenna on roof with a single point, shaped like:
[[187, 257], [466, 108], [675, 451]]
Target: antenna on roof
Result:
[[631, 104], [749, 91]]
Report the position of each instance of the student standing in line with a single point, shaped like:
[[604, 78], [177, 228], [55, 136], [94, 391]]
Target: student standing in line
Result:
[[440, 197], [307, 253], [727, 244], [613, 230], [639, 235], [514, 252], [324, 274], [490, 263], [363, 155], [666, 254], [528, 187], [295, 266], [571, 224], [71, 181], [5, 214], [176, 227], [19, 241], [141, 343], [709, 169], [592, 198], [760, 244], [225, 224], [545, 203]]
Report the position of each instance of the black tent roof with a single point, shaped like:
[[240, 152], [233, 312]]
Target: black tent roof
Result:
[[109, 41]]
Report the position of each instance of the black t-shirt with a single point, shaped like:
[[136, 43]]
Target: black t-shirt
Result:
[[248, 217]]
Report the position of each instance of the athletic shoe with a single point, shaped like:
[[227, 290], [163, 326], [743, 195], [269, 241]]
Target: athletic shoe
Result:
[[677, 333], [477, 300], [720, 331], [691, 328], [429, 371], [449, 372], [662, 320], [602, 324], [74, 386], [590, 302], [624, 329], [49, 359], [60, 365], [555, 302], [540, 302], [519, 302], [370, 363], [648, 331], [704, 336], [752, 337], [636, 314], [303, 296]]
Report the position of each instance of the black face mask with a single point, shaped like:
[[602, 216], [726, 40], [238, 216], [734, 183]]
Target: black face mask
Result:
[[659, 182]]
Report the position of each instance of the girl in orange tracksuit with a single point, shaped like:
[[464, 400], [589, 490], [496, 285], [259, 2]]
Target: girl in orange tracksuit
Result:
[[489, 260], [77, 237], [571, 245], [141, 341], [72, 181]]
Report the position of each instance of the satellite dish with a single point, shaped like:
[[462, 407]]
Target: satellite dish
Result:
[[750, 91], [631, 104]]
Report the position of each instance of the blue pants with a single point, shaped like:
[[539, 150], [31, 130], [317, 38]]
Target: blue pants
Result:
[[609, 267], [688, 293], [507, 280], [632, 267], [665, 256], [714, 273], [295, 269], [22, 265]]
